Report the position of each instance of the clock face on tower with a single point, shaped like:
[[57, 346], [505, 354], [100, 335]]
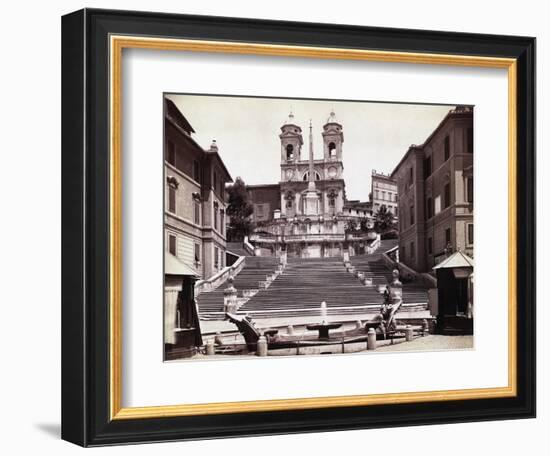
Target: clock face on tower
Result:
[[332, 172], [289, 174]]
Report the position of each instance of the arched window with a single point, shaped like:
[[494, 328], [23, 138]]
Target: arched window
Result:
[[290, 152], [332, 149], [306, 176]]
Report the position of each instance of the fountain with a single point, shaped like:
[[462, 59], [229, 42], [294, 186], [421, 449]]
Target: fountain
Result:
[[324, 327]]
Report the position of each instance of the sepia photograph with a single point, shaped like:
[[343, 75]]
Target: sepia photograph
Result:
[[252, 199], [301, 227]]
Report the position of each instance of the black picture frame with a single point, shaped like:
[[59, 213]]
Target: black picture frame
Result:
[[85, 227]]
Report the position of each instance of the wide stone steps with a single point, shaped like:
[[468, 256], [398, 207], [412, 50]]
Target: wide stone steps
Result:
[[387, 244], [237, 248], [305, 283], [255, 269]]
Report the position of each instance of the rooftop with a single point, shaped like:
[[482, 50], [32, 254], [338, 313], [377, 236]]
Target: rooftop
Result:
[[455, 112], [456, 260], [172, 111]]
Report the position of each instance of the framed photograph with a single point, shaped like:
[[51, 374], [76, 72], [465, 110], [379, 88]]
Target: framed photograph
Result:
[[269, 227]]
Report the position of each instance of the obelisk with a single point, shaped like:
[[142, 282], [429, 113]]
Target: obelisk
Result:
[[311, 196]]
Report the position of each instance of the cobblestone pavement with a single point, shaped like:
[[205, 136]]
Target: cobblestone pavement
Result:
[[431, 343]]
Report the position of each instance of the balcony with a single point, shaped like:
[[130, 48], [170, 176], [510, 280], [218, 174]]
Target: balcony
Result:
[[308, 238]]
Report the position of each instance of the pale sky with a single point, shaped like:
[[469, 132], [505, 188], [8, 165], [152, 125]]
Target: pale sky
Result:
[[376, 135]]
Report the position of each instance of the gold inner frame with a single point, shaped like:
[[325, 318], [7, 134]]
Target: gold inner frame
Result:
[[117, 44]]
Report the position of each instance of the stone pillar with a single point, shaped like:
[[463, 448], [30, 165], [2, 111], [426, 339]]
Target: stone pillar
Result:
[[230, 297], [210, 349], [408, 333], [261, 349], [371, 339]]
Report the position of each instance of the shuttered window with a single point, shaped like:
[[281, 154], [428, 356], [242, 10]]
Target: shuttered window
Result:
[[172, 199], [197, 253], [197, 208], [172, 247], [447, 195], [447, 237], [470, 189]]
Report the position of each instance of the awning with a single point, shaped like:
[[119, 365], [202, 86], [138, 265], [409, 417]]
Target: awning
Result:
[[456, 260], [174, 266]]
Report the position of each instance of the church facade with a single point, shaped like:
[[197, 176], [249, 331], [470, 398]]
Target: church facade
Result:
[[306, 214]]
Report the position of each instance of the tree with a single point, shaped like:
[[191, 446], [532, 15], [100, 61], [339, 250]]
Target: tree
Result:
[[239, 211], [351, 226], [384, 220]]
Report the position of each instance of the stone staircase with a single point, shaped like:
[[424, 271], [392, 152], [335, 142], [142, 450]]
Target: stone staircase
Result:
[[375, 269], [305, 283], [237, 249], [255, 269], [387, 244]]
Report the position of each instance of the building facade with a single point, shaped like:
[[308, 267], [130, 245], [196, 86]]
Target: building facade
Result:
[[383, 193], [265, 200], [436, 194], [195, 200], [312, 218]]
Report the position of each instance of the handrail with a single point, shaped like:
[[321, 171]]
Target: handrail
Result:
[[248, 246], [220, 277], [428, 279]]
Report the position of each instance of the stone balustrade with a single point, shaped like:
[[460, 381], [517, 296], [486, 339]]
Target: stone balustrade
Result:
[[217, 279]]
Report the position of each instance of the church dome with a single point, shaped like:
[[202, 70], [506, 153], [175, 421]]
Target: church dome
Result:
[[290, 119], [332, 118], [290, 124]]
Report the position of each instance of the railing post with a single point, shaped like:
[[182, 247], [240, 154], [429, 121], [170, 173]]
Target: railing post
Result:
[[371, 339], [408, 333], [261, 349], [425, 327], [210, 349]]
